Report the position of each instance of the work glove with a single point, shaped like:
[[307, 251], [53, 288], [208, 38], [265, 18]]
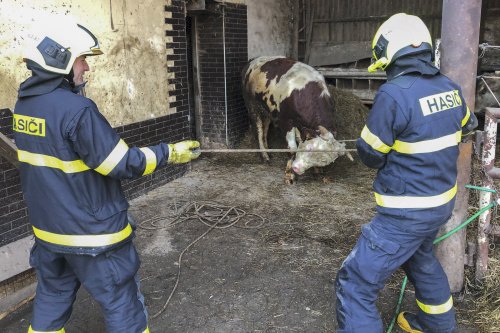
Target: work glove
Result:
[[183, 152]]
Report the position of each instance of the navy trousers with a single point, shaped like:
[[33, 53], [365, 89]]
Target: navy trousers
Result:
[[383, 247], [110, 278]]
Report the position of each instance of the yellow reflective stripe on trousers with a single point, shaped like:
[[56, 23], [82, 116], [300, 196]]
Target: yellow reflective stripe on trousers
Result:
[[51, 162], [374, 141], [150, 160], [113, 158], [389, 201], [436, 309], [428, 146], [146, 330], [83, 240], [31, 330], [466, 118]]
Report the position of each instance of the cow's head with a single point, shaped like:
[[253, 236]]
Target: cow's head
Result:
[[311, 157]]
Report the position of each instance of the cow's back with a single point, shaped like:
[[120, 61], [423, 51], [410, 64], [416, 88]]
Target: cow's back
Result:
[[294, 89]]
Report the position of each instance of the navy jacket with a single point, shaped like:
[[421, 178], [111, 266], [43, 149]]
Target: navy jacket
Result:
[[411, 136], [72, 161]]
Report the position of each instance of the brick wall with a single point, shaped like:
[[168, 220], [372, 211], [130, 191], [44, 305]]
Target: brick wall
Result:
[[236, 58], [13, 212], [222, 25]]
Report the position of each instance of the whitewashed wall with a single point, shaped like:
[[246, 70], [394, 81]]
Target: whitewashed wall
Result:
[[128, 82], [269, 27]]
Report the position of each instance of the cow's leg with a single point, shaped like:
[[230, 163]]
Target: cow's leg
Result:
[[261, 135], [266, 123], [298, 138], [291, 139]]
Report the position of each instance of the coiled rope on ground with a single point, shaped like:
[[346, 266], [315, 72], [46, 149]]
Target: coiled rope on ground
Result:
[[211, 214]]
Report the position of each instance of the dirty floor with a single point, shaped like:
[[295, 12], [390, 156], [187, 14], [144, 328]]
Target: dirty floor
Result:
[[267, 266]]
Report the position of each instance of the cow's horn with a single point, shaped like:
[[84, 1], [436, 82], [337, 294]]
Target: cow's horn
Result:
[[322, 130], [324, 133]]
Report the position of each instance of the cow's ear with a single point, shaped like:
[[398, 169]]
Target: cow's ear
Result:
[[324, 133]]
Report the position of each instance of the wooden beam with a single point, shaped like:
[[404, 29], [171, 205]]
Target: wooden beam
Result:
[[334, 54], [193, 5], [8, 150], [350, 73]]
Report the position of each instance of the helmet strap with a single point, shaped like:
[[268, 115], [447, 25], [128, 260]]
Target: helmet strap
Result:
[[380, 63], [70, 77]]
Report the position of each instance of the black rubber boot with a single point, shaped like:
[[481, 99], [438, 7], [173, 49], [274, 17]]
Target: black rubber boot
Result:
[[409, 323]]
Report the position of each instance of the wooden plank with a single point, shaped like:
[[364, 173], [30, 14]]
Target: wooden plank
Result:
[[8, 150], [351, 73], [322, 55]]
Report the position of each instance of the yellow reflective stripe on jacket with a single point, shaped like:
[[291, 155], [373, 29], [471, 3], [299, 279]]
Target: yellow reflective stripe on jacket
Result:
[[427, 146], [83, 240], [466, 118], [51, 162], [374, 141], [150, 160], [146, 330], [113, 158], [415, 202], [31, 330], [436, 309]]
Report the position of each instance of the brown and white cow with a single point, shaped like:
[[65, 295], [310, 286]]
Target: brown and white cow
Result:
[[294, 96]]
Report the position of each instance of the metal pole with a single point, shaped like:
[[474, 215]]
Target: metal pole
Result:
[[490, 172], [276, 150], [460, 43]]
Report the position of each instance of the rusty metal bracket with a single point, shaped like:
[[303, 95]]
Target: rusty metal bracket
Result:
[[490, 172]]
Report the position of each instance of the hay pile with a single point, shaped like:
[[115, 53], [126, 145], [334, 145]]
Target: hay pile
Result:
[[350, 114], [488, 303]]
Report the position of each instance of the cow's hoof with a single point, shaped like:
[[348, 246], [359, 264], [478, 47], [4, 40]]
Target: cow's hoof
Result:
[[327, 180], [290, 178]]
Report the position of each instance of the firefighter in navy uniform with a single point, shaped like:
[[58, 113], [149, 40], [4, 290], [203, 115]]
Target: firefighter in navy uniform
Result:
[[72, 162], [412, 133]]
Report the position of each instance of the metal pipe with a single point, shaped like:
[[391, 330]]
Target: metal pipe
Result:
[[225, 67], [271, 151], [459, 54], [488, 164]]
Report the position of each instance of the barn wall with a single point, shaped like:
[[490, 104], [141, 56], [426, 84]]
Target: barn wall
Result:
[[125, 82], [270, 27], [336, 31], [221, 32]]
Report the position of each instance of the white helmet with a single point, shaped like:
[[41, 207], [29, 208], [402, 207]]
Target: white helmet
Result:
[[56, 46], [400, 35]]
